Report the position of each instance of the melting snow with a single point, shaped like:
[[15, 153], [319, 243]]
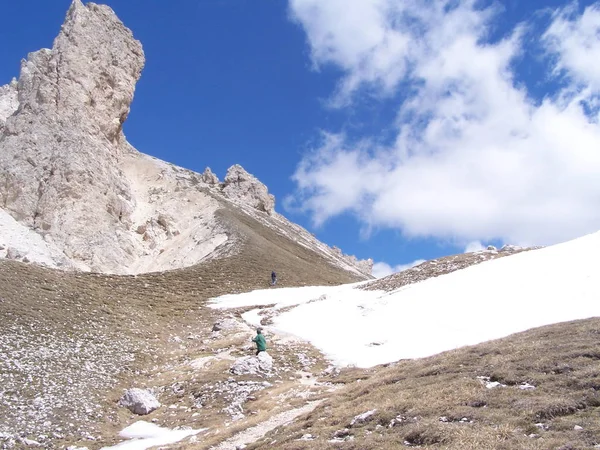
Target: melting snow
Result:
[[144, 435], [476, 304]]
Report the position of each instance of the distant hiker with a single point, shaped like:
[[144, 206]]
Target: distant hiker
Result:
[[261, 343], [273, 278]]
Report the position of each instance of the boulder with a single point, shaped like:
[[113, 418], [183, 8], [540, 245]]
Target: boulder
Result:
[[252, 365], [139, 401], [362, 418], [226, 324]]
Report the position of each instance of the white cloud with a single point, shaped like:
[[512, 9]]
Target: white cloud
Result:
[[382, 269], [475, 158], [474, 246], [575, 40]]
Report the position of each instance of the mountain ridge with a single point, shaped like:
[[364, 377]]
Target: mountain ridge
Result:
[[70, 176]]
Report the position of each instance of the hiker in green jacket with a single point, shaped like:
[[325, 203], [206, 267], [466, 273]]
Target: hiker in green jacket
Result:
[[261, 343]]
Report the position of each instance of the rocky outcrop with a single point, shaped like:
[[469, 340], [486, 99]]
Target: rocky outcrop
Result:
[[209, 177], [245, 189], [9, 101], [70, 179], [58, 151]]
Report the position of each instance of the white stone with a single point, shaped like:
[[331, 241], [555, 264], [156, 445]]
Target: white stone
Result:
[[252, 364], [361, 418], [139, 401], [227, 324]]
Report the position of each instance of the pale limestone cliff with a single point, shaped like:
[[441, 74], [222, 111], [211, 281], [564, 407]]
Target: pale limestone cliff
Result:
[[59, 151], [9, 101], [69, 177]]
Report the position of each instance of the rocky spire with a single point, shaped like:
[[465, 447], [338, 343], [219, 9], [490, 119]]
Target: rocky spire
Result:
[[243, 188], [59, 150]]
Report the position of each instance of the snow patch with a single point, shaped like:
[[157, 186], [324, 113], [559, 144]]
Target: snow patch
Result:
[[143, 435], [528, 290]]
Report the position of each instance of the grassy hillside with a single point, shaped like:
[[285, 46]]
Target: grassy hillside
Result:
[[70, 342], [548, 398]]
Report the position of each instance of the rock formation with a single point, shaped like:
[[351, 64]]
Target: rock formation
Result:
[[243, 188], [9, 101], [59, 149], [69, 176], [139, 401], [250, 365]]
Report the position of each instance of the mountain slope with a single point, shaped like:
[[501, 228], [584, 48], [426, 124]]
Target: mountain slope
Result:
[[69, 175], [481, 302], [70, 341], [88, 336]]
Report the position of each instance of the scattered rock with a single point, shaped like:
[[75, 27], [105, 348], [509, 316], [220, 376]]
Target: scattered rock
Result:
[[307, 437], [396, 420], [341, 433], [578, 428], [13, 253], [139, 401], [490, 384], [526, 386], [362, 418], [477, 404]]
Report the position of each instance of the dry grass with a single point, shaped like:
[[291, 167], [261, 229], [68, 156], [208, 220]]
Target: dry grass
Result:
[[161, 322], [437, 267], [134, 331], [440, 402]]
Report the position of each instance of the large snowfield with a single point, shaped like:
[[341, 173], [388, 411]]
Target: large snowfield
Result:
[[483, 302]]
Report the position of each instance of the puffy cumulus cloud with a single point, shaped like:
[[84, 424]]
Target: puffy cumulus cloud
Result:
[[382, 269], [574, 39], [474, 158]]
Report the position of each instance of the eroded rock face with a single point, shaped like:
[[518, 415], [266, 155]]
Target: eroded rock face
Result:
[[58, 151], [243, 188], [69, 177], [209, 177], [9, 101]]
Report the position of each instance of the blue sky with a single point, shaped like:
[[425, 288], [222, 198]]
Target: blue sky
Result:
[[394, 131]]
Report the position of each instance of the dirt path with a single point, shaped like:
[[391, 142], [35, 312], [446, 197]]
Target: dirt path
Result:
[[254, 433]]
